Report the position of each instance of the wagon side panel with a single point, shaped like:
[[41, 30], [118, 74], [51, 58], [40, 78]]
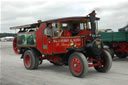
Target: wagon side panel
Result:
[[26, 39], [119, 36]]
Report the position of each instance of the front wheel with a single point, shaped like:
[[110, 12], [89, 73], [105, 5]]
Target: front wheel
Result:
[[31, 61], [78, 64], [110, 51], [105, 61]]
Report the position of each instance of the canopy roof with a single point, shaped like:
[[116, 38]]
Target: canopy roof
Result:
[[79, 18]]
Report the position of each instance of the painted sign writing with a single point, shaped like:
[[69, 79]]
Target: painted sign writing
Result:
[[66, 40]]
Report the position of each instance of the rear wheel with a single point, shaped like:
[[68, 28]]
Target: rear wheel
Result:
[[31, 61], [78, 64], [15, 48], [105, 62], [110, 51]]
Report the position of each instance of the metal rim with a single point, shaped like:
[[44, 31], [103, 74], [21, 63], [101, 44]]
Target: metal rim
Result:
[[27, 60], [76, 65]]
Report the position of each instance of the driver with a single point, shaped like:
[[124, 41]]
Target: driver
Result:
[[76, 29], [48, 30]]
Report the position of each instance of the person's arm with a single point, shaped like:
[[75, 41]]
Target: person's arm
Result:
[[45, 31]]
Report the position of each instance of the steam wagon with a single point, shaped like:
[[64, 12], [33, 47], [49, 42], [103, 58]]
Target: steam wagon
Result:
[[64, 46], [117, 42]]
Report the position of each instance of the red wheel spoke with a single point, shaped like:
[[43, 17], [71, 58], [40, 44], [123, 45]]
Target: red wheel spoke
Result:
[[76, 65], [27, 60]]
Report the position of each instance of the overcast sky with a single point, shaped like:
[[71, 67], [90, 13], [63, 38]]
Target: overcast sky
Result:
[[113, 13]]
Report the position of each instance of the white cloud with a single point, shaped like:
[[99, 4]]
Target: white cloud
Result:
[[113, 13]]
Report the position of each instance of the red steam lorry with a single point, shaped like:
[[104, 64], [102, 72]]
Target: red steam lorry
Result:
[[77, 50]]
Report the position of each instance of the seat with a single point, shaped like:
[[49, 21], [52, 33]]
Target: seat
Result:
[[66, 33], [84, 32]]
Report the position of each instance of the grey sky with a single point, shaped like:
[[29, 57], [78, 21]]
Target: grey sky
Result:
[[113, 13]]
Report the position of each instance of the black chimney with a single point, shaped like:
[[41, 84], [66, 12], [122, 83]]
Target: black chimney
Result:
[[92, 19]]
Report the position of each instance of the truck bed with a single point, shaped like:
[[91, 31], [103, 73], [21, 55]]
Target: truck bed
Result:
[[114, 36]]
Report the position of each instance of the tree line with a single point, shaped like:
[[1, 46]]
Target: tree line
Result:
[[7, 35]]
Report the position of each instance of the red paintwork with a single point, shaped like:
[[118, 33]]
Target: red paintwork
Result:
[[66, 33], [60, 45], [50, 45], [121, 47], [15, 48], [27, 60], [45, 45], [39, 39], [76, 65], [84, 32], [44, 40], [93, 65]]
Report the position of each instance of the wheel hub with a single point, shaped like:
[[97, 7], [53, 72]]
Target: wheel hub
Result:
[[27, 60], [76, 65]]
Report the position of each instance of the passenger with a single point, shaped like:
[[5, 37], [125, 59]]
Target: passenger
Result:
[[48, 30], [75, 30]]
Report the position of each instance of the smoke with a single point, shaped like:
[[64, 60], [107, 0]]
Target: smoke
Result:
[[98, 10]]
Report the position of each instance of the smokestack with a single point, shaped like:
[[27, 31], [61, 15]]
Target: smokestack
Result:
[[92, 19]]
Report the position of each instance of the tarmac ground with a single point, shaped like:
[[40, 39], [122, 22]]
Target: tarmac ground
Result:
[[13, 72]]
